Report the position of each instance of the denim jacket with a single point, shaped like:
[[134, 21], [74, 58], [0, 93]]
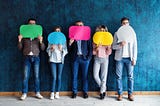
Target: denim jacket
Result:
[[53, 56]]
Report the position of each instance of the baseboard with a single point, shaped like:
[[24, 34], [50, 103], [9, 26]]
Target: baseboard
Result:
[[91, 93]]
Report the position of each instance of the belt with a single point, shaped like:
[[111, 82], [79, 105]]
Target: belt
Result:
[[79, 55], [31, 55]]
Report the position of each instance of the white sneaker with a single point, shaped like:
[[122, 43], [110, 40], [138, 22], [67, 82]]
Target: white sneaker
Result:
[[39, 96], [23, 97], [57, 95], [52, 96]]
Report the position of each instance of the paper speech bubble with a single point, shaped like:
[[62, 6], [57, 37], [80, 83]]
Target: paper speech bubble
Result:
[[31, 31], [56, 38], [103, 38], [125, 33], [79, 32]]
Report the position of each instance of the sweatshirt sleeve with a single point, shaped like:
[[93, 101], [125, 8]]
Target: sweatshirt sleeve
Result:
[[116, 45], [48, 50]]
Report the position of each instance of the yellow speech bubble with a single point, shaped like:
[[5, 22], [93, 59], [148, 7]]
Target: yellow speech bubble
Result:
[[103, 38]]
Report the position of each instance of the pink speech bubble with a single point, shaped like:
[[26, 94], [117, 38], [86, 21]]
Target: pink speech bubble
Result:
[[79, 32]]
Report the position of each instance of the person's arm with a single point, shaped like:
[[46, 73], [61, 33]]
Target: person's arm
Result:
[[94, 49], [64, 49], [90, 49], [117, 45], [48, 50], [108, 50], [71, 44], [134, 58], [42, 45], [20, 46]]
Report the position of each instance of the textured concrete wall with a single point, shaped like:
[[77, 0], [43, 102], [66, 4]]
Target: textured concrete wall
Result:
[[144, 17]]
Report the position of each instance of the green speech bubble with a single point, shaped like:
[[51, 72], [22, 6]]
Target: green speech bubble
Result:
[[31, 31]]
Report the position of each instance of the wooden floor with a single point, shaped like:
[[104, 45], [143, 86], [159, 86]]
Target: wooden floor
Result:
[[109, 93]]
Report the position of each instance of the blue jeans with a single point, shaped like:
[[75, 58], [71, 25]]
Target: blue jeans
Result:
[[30, 61], [84, 64], [56, 70], [119, 69]]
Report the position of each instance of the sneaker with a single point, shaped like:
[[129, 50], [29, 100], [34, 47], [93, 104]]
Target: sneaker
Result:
[[130, 97], [23, 97], [57, 95], [119, 98], [39, 96], [52, 96]]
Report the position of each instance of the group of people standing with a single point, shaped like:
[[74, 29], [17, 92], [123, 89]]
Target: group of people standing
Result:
[[80, 53]]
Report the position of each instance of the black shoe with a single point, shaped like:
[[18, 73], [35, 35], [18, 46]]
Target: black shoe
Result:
[[104, 94], [101, 96], [85, 95], [74, 95]]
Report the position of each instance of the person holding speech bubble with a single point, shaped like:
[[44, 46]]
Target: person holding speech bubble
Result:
[[125, 46], [31, 49], [101, 60], [80, 52], [56, 53]]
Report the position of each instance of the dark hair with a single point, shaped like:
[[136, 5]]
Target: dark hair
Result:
[[31, 19], [124, 18], [56, 28], [78, 21], [101, 26]]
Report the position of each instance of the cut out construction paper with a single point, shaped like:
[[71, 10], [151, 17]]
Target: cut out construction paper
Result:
[[56, 38], [103, 38], [79, 32], [31, 31], [125, 33]]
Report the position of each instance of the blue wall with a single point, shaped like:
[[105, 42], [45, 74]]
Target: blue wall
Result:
[[144, 17]]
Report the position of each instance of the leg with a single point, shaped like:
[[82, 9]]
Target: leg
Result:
[[60, 69], [84, 69], [130, 76], [104, 71], [36, 62], [27, 66], [75, 75], [96, 69], [119, 69], [53, 72]]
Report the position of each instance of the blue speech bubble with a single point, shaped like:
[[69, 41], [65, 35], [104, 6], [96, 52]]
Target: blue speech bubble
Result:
[[56, 38]]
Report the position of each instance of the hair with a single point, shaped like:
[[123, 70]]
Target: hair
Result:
[[31, 19], [101, 26], [54, 29], [124, 18], [79, 21]]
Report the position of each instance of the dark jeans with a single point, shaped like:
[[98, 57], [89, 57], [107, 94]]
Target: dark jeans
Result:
[[83, 64]]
